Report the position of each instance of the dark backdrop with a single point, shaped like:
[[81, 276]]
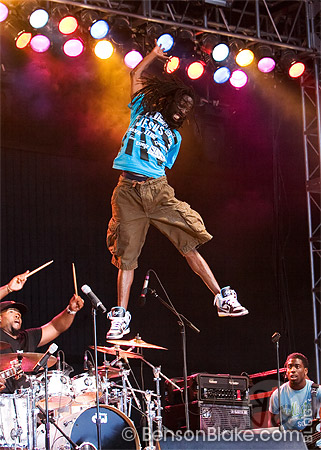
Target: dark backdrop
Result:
[[241, 165]]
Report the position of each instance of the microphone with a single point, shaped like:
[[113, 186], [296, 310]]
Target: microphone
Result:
[[142, 298], [58, 363], [43, 360], [85, 361], [96, 303], [275, 337], [90, 368]]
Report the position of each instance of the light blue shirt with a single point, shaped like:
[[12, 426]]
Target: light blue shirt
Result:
[[296, 406], [149, 145]]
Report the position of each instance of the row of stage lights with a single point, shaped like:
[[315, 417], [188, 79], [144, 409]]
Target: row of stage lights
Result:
[[226, 60]]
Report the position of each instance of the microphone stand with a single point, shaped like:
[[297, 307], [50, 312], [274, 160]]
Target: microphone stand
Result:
[[181, 322], [98, 420], [275, 339]]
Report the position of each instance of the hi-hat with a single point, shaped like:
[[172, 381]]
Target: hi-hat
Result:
[[4, 345], [117, 351], [136, 342], [28, 360]]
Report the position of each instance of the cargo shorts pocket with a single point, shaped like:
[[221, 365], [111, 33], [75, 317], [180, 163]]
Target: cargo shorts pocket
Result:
[[112, 236], [192, 218]]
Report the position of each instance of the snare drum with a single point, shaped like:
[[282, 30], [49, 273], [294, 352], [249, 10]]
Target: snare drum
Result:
[[117, 431], [59, 390], [17, 420], [84, 388]]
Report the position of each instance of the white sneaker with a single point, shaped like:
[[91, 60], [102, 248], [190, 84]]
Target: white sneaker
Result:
[[228, 305], [120, 319]]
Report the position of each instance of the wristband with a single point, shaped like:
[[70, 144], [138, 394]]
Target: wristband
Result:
[[69, 311], [9, 289]]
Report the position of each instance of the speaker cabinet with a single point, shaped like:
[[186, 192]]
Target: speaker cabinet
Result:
[[206, 415]]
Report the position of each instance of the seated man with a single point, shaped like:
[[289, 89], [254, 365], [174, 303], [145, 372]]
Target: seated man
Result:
[[300, 398]]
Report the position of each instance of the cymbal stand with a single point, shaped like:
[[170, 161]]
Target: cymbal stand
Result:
[[127, 386], [150, 414], [157, 374]]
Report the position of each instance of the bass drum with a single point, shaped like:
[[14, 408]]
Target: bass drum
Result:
[[117, 431]]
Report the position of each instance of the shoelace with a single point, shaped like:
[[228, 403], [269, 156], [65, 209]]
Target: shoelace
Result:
[[233, 302], [116, 325]]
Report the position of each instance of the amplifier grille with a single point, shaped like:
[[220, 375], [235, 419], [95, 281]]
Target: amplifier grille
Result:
[[224, 417]]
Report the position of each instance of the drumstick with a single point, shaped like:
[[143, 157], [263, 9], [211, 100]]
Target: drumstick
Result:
[[75, 279], [39, 268]]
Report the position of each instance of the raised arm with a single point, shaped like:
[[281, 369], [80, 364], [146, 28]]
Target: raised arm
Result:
[[14, 285], [137, 72], [62, 322]]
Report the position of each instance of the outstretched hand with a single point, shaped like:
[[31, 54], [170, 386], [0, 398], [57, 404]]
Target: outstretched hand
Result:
[[159, 51], [18, 281]]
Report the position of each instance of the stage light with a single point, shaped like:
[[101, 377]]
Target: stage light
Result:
[[264, 55], [68, 25], [99, 29], [104, 49], [166, 41], [3, 12], [244, 58], [153, 31], [39, 18], [195, 70], [73, 47], [40, 43], [297, 69], [238, 79], [291, 63], [222, 75], [132, 59], [93, 23], [172, 64], [220, 52], [23, 39], [184, 45], [120, 31]]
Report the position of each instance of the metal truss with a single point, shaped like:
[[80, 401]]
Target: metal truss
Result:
[[279, 23], [310, 90]]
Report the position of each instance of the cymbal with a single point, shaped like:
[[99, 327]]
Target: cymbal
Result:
[[4, 345], [117, 351], [28, 360], [112, 372], [136, 342]]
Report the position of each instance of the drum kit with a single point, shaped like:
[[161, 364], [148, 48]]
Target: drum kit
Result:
[[72, 403]]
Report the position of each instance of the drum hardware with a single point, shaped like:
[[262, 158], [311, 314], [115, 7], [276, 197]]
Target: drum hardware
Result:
[[18, 420], [43, 362], [53, 421], [28, 360]]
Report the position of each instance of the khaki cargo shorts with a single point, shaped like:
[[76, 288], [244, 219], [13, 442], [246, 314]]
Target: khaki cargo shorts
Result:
[[136, 206]]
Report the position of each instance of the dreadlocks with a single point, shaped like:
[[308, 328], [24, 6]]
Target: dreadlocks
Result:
[[159, 95]]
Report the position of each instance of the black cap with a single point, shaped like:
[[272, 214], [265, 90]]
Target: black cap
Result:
[[11, 304]]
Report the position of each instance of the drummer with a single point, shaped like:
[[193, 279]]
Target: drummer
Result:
[[29, 340]]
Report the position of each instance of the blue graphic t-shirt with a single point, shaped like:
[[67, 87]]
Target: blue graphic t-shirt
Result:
[[149, 145], [296, 406]]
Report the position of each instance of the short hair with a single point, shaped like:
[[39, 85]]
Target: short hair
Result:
[[300, 356]]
